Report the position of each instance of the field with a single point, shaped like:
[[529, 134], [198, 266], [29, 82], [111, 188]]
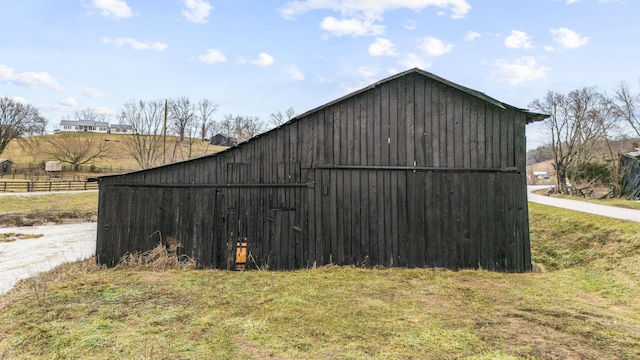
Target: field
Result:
[[586, 305], [118, 159]]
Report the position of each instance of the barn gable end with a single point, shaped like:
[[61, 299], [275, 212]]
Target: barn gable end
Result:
[[411, 171]]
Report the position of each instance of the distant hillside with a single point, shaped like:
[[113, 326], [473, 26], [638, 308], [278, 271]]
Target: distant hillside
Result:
[[31, 152]]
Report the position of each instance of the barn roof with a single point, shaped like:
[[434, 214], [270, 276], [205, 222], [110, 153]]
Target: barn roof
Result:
[[530, 116]]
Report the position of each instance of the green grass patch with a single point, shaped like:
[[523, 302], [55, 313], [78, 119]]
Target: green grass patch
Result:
[[622, 203], [587, 305], [617, 202]]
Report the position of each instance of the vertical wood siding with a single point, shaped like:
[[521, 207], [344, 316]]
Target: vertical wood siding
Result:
[[412, 172]]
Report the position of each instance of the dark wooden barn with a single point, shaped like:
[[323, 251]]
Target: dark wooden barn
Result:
[[630, 165], [412, 171], [223, 140]]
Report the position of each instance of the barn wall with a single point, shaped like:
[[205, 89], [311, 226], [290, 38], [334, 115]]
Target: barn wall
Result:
[[412, 172], [631, 177]]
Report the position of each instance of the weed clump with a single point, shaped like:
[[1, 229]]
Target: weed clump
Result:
[[163, 256]]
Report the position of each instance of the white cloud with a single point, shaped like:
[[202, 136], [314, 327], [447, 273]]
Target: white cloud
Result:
[[66, 105], [569, 2], [410, 25], [68, 102], [29, 79], [212, 56], [93, 93], [518, 71], [372, 9], [104, 110], [116, 9], [367, 72], [19, 99], [197, 11], [263, 60], [382, 47], [568, 39], [435, 47], [353, 27], [411, 61], [472, 36], [518, 40], [135, 44], [295, 73]]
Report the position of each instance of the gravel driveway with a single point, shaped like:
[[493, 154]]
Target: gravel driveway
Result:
[[59, 244]]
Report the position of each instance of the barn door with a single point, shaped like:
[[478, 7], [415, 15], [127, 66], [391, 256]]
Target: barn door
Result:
[[236, 238], [283, 238]]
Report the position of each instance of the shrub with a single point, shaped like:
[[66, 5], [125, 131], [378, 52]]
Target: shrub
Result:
[[590, 172]]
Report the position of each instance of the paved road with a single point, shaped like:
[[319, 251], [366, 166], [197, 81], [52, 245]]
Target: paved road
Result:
[[583, 206]]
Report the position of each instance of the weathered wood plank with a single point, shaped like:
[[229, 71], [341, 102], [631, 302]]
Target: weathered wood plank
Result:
[[377, 126], [385, 124], [441, 118], [419, 120], [402, 218], [482, 137]]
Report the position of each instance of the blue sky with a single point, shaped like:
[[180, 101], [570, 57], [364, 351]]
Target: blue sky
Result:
[[257, 57]]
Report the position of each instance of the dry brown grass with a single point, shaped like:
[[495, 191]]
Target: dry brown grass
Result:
[[118, 160], [11, 237], [162, 257]]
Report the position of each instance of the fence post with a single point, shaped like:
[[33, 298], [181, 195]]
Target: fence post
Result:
[[49, 186]]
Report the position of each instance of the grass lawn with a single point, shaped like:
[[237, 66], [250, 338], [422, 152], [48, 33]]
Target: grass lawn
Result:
[[586, 305]]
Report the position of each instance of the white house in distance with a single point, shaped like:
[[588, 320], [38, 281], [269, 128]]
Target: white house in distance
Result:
[[93, 126], [84, 125], [121, 129]]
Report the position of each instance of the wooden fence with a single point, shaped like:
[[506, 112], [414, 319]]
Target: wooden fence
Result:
[[33, 186]]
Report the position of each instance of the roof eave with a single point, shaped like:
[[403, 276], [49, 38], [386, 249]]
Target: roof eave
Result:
[[535, 117]]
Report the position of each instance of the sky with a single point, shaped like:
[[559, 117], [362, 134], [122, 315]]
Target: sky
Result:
[[254, 58]]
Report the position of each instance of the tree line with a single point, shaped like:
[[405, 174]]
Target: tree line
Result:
[[150, 121], [582, 127]]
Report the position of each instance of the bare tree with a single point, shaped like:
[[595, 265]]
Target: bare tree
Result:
[[241, 128], [77, 149], [182, 115], [278, 118], [18, 120], [627, 106], [205, 111], [89, 114], [185, 149], [574, 127], [146, 119]]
